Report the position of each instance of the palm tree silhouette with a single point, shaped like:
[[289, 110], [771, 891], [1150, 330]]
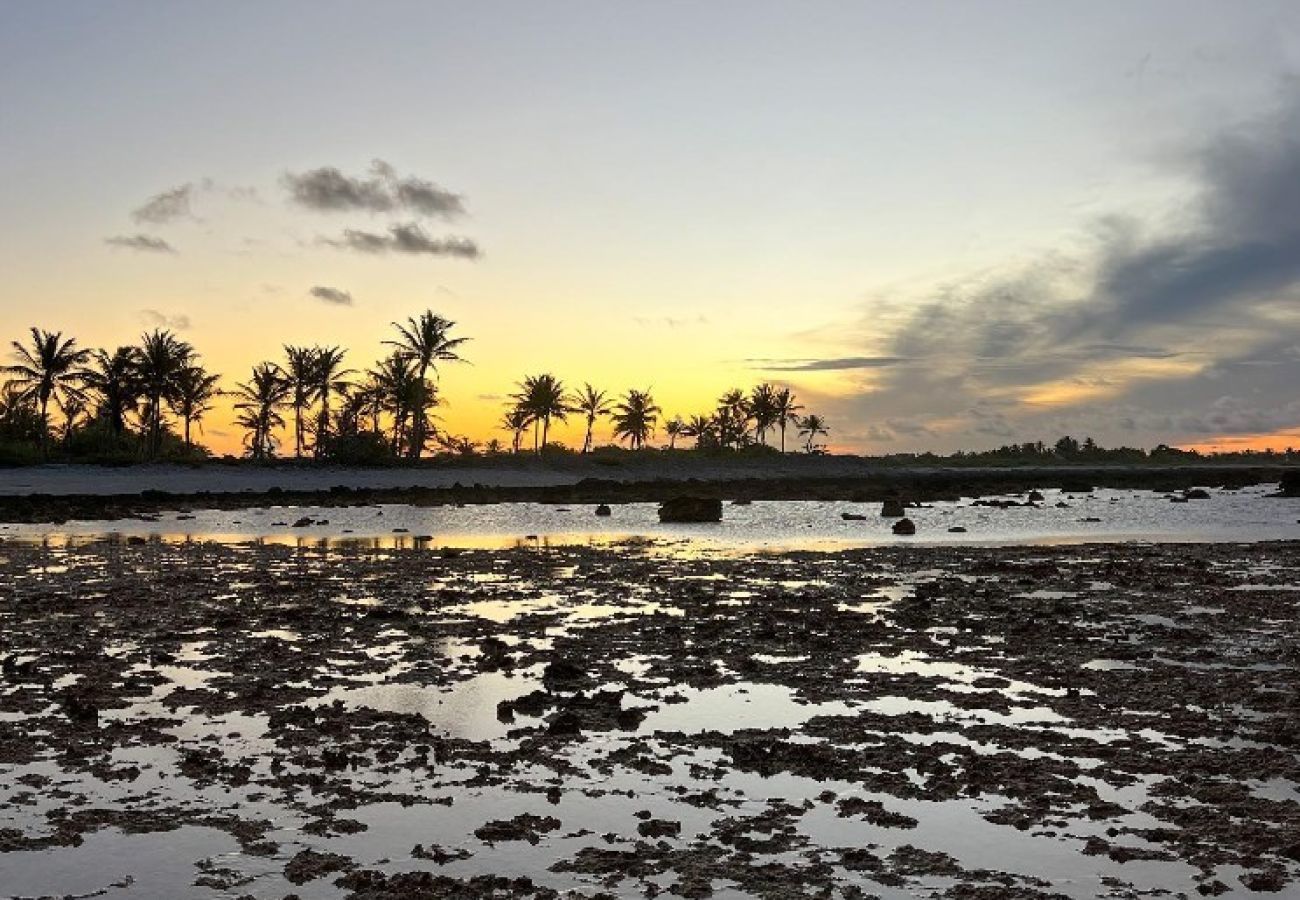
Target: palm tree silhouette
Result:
[[542, 396], [160, 359], [516, 420], [259, 403], [811, 426], [49, 369], [762, 410], [301, 372], [115, 382], [426, 341], [635, 417], [704, 429], [787, 411], [592, 404], [732, 418], [192, 399], [331, 379], [675, 428]]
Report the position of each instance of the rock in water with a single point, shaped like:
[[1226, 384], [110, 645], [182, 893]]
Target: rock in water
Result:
[[852, 517], [690, 509], [892, 509], [1197, 494], [603, 509], [1290, 486], [1035, 497], [904, 526]]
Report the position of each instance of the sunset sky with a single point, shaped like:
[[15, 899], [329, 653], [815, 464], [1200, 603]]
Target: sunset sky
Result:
[[944, 224]]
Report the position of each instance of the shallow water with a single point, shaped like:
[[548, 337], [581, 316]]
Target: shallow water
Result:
[[1104, 515]]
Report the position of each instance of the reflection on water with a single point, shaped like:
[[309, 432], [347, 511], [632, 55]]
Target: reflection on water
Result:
[[1062, 518]]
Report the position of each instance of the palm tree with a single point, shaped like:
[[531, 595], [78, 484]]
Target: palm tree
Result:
[[400, 393], [192, 399], [259, 403], [704, 429], [732, 418], [810, 426], [516, 420], [593, 404], [115, 382], [425, 341], [762, 410], [542, 396], [301, 371], [159, 361], [787, 411], [675, 428], [49, 369], [634, 418], [331, 379]]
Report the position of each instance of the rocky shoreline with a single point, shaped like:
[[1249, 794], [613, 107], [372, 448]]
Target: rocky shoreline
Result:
[[1107, 720]]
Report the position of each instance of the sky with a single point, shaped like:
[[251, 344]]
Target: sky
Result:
[[945, 225]]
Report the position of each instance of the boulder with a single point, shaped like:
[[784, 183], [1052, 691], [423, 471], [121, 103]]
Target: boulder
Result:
[[852, 517], [1197, 494], [1290, 486], [904, 526], [1035, 497], [691, 509], [892, 509], [603, 509]]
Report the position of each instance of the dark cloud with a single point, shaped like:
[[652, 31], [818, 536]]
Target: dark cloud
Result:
[[327, 189], [827, 365], [165, 207], [142, 242], [157, 319], [1133, 328], [408, 238], [333, 295]]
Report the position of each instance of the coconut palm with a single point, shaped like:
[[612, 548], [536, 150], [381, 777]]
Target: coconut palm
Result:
[[810, 426], [114, 382], [331, 380], [400, 395], [762, 410], [50, 369], [196, 388], [634, 418], [542, 396], [426, 341], [259, 402], [300, 369], [675, 428], [592, 404], [704, 429], [787, 411], [516, 421], [732, 419], [159, 361]]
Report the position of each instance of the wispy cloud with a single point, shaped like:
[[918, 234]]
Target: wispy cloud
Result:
[[158, 319], [327, 189], [409, 238], [826, 365], [166, 206], [142, 242], [334, 295]]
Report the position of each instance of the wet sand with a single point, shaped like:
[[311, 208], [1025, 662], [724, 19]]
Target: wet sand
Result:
[[244, 720]]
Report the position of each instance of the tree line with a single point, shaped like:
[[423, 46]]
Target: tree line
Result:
[[146, 401]]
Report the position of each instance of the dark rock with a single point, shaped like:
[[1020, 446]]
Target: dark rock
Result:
[[852, 517], [691, 509], [957, 529], [892, 509], [1197, 494], [1290, 484], [603, 509], [1035, 497], [303, 522], [904, 526]]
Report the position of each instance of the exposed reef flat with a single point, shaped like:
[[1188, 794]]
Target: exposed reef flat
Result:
[[1095, 721]]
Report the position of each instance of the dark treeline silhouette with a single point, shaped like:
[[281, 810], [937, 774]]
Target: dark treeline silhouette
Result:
[[739, 421], [145, 401]]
